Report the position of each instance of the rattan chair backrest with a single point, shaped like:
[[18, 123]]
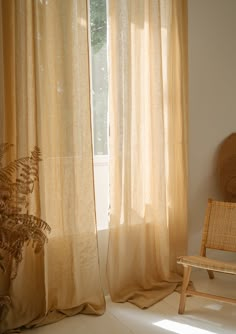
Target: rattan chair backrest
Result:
[[220, 226], [227, 168]]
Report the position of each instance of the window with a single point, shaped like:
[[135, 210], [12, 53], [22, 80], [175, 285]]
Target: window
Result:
[[98, 36]]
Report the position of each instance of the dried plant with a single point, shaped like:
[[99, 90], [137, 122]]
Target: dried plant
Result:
[[17, 226]]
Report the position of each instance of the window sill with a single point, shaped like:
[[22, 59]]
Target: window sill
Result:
[[100, 160]]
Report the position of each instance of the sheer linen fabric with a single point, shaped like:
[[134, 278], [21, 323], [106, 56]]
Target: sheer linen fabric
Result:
[[45, 101], [148, 148]]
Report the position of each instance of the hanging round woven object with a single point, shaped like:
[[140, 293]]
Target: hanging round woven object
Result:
[[227, 168]]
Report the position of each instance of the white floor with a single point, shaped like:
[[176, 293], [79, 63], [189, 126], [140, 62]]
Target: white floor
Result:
[[202, 316]]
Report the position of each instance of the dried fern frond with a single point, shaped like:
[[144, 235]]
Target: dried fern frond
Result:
[[2, 267], [4, 147], [20, 229], [17, 226]]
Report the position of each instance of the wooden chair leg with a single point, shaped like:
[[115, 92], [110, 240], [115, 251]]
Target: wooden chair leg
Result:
[[187, 272], [210, 274]]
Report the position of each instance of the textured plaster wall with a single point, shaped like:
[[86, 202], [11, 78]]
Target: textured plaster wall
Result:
[[212, 100]]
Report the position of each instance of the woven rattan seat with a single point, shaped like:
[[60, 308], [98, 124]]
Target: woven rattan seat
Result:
[[219, 233], [208, 264]]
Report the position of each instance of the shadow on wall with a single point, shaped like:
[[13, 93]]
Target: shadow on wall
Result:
[[207, 186], [220, 184]]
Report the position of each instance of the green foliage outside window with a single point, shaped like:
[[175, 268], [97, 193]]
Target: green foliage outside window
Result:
[[98, 30], [98, 24]]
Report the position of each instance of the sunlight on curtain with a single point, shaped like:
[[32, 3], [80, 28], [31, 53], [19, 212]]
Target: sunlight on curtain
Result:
[[45, 101], [148, 147]]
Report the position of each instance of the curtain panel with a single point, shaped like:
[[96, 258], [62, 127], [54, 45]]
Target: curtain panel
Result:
[[45, 102], [148, 148]]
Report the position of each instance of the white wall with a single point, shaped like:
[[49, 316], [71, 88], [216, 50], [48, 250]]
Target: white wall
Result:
[[212, 100]]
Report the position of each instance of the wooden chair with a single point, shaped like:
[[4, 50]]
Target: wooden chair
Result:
[[219, 233]]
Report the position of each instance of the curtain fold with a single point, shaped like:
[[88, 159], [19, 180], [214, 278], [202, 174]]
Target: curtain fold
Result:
[[45, 101], [148, 148]]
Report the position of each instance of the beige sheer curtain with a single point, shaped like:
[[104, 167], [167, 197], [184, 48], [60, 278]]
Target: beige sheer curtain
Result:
[[148, 147], [45, 101]]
